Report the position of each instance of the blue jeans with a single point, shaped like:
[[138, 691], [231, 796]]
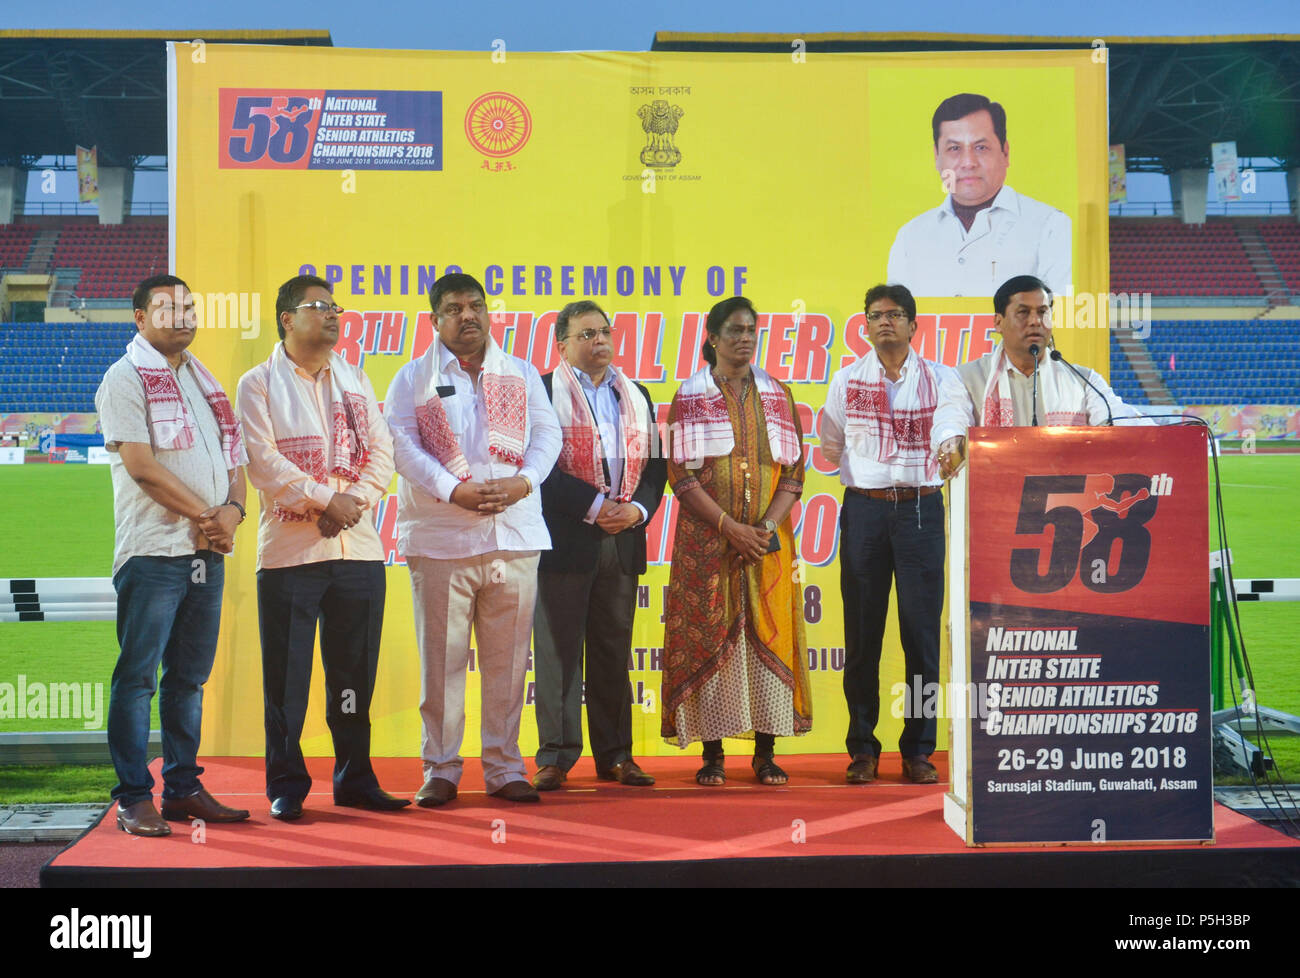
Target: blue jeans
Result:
[[168, 612], [882, 540]]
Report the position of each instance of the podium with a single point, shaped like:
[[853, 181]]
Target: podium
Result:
[[1080, 611]]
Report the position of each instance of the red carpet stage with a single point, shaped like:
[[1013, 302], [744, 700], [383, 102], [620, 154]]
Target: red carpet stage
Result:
[[816, 831]]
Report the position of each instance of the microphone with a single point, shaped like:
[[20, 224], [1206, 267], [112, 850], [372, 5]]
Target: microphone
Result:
[[1033, 400], [1110, 418]]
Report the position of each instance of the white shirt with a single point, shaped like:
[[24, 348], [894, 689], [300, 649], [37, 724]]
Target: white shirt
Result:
[[934, 255], [857, 470], [292, 543], [143, 527], [961, 403], [428, 523]]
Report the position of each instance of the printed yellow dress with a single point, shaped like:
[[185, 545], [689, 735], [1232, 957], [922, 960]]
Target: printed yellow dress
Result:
[[735, 658]]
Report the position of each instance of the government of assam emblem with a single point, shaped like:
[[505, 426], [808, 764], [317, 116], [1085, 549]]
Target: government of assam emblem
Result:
[[659, 120]]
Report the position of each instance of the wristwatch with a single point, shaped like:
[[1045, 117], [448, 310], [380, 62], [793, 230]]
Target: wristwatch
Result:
[[769, 526]]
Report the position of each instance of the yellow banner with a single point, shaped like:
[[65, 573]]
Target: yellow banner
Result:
[[1118, 175], [87, 174], [653, 183]]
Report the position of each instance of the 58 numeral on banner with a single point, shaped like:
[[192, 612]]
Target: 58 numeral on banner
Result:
[[1090, 516]]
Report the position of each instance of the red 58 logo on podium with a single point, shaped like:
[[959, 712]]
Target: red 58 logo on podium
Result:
[[1098, 526], [268, 129]]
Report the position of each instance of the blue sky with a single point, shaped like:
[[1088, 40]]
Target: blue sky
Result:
[[569, 26], [558, 26]]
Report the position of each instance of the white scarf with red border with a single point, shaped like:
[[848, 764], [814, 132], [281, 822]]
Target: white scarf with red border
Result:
[[897, 436], [1064, 398], [703, 427], [296, 425], [505, 394], [169, 419], [582, 453]]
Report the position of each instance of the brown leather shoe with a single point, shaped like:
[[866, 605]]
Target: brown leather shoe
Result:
[[919, 770], [436, 791], [548, 778], [142, 819], [200, 805], [862, 770], [627, 772], [517, 791]]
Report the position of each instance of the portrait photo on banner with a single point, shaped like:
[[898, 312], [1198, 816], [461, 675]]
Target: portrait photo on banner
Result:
[[973, 177]]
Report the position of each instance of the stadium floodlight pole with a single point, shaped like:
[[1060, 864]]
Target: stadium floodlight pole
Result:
[[1110, 418]]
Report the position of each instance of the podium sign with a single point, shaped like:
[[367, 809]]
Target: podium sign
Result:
[[1089, 648]]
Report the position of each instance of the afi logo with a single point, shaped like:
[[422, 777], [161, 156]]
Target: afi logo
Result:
[[1098, 523]]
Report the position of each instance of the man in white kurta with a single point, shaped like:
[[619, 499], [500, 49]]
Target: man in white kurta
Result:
[[475, 435], [997, 390], [984, 232]]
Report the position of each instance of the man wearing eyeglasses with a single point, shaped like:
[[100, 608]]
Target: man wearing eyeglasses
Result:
[[474, 436], [876, 427], [997, 390], [321, 457], [608, 483]]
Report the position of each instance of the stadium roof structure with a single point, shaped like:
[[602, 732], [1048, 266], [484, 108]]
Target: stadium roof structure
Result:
[[60, 89], [1170, 97]]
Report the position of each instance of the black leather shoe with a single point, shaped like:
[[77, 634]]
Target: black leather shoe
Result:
[[286, 809], [374, 799], [436, 791]]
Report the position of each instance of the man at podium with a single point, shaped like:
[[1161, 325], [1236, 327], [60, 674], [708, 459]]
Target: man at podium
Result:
[[1023, 381]]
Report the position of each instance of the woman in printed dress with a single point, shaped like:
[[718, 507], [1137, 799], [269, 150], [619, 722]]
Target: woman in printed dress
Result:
[[734, 651]]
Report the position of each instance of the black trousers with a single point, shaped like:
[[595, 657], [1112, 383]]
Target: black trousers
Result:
[[591, 612], [881, 540], [347, 598]]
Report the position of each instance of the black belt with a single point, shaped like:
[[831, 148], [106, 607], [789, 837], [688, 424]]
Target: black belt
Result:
[[898, 494]]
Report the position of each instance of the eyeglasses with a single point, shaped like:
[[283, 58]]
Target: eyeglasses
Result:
[[893, 315], [320, 305], [587, 335]]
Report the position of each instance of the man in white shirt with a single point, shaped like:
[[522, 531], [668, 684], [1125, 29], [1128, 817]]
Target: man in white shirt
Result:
[[178, 494], [983, 229], [474, 436], [997, 390], [876, 427], [321, 457]]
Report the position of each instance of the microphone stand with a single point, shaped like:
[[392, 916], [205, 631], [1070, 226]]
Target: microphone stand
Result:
[[1033, 401]]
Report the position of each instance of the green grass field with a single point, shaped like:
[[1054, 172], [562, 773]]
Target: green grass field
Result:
[[59, 523]]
